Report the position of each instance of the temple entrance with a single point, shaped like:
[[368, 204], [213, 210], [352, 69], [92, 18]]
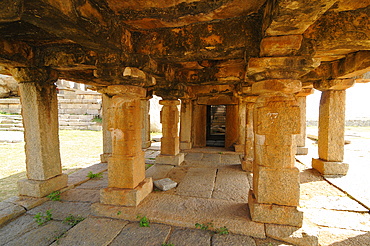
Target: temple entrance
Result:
[[216, 125]]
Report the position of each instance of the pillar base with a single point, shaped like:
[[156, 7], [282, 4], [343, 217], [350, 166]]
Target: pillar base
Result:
[[274, 214], [247, 164], [170, 159], [104, 157], [330, 167], [301, 151], [41, 188], [239, 147], [146, 144], [126, 197], [185, 145]]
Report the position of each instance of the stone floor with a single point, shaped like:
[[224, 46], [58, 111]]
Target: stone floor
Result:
[[212, 191]]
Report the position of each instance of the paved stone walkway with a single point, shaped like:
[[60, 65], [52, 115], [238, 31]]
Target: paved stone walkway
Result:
[[209, 195]]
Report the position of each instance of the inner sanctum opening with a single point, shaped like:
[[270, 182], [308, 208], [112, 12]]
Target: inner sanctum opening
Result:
[[216, 125]]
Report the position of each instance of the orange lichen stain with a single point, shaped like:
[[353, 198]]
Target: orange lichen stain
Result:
[[90, 12], [212, 40], [65, 6], [177, 30]]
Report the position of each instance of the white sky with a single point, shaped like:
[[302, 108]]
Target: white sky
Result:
[[357, 103]]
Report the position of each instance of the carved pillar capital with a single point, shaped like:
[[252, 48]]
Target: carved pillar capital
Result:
[[34, 74]]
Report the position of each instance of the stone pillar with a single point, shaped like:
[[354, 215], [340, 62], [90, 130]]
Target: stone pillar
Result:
[[185, 124], [247, 161], [40, 121], [275, 195], [170, 143], [301, 138], [332, 127], [145, 130], [127, 184], [107, 139], [199, 131], [240, 144]]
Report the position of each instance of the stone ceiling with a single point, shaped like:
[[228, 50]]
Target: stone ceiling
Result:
[[163, 43]]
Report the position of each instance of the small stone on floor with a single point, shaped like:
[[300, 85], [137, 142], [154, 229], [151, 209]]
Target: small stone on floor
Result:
[[165, 184]]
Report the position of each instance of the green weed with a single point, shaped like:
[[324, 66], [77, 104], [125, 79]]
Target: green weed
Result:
[[42, 218], [73, 220], [203, 226], [222, 230], [144, 221], [54, 196], [92, 175]]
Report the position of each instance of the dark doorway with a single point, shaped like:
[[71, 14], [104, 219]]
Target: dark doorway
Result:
[[216, 125]]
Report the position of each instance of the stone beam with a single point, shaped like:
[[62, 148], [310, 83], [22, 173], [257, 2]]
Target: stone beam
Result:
[[288, 17], [341, 32], [15, 54], [10, 10], [66, 57], [354, 64], [233, 38], [83, 22]]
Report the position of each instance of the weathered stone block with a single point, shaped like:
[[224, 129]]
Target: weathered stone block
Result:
[[37, 188], [170, 159], [104, 157], [127, 197], [126, 171], [247, 164], [330, 167], [239, 147], [276, 186], [281, 45], [165, 184], [302, 151], [277, 85], [170, 145], [305, 236], [274, 214], [271, 155]]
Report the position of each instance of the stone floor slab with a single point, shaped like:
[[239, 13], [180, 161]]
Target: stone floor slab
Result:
[[81, 195], [232, 240], [80, 176], [341, 237], [93, 231], [231, 184], [60, 210], [185, 237], [186, 211], [193, 156], [9, 211], [42, 235], [158, 171], [16, 228], [211, 158], [134, 235], [304, 236], [198, 182], [230, 159], [339, 219], [26, 201], [95, 184]]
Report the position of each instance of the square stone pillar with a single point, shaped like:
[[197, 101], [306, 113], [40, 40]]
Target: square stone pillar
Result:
[[240, 144], [275, 195], [145, 128], [127, 184], [301, 138], [332, 127], [186, 114], [247, 161], [170, 143], [40, 121], [107, 139], [199, 132]]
